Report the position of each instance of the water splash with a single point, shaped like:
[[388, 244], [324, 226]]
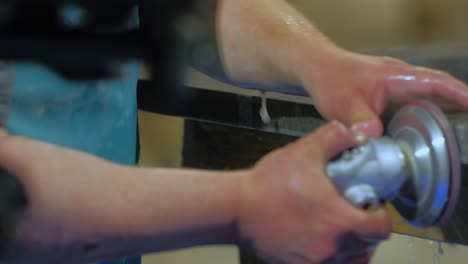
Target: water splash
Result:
[[439, 253], [440, 249], [264, 115], [410, 243]]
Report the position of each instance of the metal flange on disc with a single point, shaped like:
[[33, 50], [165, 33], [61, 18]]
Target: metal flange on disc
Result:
[[433, 168]]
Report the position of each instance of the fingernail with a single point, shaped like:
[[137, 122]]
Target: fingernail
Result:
[[360, 126], [340, 126]]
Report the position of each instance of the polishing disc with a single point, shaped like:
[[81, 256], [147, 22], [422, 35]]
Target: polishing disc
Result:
[[433, 169]]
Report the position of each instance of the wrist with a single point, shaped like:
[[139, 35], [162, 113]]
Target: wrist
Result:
[[244, 186], [225, 230], [306, 61], [267, 47]]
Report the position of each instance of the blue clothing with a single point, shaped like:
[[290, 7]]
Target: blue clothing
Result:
[[97, 117]]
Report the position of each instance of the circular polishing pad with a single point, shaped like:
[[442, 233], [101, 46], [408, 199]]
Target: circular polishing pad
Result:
[[433, 168]]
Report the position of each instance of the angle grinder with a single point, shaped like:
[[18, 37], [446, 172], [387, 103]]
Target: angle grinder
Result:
[[416, 166]]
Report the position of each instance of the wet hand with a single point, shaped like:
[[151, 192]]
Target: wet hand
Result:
[[356, 89]]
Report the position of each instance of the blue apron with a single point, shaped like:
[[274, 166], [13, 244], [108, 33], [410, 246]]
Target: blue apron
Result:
[[97, 117]]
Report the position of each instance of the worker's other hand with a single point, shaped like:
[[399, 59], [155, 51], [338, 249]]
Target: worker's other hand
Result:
[[356, 89], [55, 179], [290, 212], [284, 47]]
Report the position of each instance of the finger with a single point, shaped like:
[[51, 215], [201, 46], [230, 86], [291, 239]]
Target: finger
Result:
[[416, 82], [329, 140], [363, 119], [369, 128], [352, 246], [445, 105], [373, 226]]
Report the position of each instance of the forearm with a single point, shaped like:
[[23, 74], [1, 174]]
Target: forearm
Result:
[[268, 42], [138, 211]]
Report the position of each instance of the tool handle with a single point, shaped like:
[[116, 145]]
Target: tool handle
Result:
[[368, 174], [13, 201]]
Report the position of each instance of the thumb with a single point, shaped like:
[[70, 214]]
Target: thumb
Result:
[[329, 140], [363, 119]]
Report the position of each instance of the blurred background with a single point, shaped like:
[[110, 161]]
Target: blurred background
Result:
[[357, 25]]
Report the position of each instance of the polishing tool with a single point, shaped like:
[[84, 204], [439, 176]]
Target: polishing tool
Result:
[[416, 166]]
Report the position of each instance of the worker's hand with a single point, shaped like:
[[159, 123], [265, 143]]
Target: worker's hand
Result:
[[291, 213], [285, 48], [356, 89]]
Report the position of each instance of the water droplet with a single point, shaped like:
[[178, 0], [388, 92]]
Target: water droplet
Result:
[[439, 252], [290, 20], [410, 242], [440, 249], [264, 115]]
